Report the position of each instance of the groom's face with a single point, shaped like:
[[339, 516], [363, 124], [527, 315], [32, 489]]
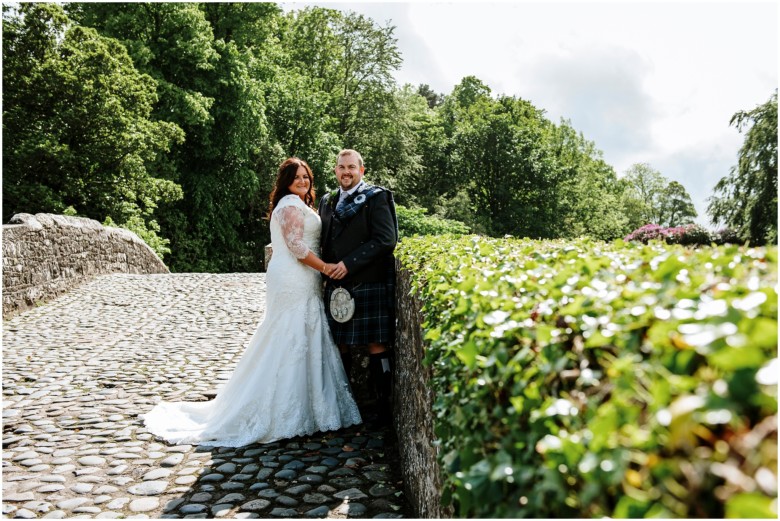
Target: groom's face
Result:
[[348, 171]]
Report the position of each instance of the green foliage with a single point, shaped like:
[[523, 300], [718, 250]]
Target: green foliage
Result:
[[414, 221], [675, 206], [501, 154], [146, 231], [648, 197], [77, 126], [421, 182], [499, 166], [213, 89], [588, 379], [746, 200], [589, 192], [432, 98], [250, 86], [642, 187], [176, 115]]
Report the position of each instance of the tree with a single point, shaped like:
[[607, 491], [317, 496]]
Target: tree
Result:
[[649, 198], [589, 193], [502, 152], [746, 200], [347, 60], [501, 167], [434, 99], [368, 55], [247, 24], [642, 189], [296, 111], [675, 206], [309, 38], [79, 136], [212, 89], [424, 182]]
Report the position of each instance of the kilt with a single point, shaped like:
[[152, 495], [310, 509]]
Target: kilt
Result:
[[373, 321]]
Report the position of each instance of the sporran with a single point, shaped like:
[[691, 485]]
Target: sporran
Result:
[[342, 305]]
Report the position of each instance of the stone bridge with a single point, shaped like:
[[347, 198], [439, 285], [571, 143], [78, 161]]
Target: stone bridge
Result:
[[79, 369]]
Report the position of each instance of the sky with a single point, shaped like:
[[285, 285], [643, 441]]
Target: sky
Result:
[[648, 82]]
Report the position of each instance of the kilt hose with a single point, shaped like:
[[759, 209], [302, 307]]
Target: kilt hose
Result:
[[374, 318]]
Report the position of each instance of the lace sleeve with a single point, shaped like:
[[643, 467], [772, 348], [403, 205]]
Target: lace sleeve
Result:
[[291, 221]]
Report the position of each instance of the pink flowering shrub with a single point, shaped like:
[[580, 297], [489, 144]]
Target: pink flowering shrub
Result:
[[648, 232], [690, 234], [687, 234]]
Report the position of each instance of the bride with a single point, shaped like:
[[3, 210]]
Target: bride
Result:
[[290, 380]]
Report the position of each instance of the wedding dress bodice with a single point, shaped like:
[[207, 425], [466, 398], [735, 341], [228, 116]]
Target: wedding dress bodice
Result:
[[295, 230]]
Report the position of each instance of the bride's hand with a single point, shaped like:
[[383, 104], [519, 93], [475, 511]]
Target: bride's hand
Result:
[[327, 268]]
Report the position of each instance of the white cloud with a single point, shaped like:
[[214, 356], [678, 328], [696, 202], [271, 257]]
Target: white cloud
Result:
[[598, 89]]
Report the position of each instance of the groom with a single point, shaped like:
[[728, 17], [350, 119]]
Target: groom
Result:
[[359, 234]]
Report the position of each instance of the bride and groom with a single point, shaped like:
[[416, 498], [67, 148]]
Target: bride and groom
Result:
[[292, 379]]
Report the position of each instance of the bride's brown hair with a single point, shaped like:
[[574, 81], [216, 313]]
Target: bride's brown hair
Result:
[[284, 178]]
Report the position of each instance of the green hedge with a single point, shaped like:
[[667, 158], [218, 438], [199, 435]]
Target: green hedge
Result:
[[585, 379]]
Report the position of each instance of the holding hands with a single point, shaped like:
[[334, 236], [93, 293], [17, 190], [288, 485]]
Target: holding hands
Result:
[[335, 271]]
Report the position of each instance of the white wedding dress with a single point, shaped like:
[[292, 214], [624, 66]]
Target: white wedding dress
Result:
[[290, 380]]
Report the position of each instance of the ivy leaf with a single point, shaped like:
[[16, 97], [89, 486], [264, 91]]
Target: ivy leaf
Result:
[[751, 506]]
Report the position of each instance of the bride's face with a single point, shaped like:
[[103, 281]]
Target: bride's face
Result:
[[300, 186]]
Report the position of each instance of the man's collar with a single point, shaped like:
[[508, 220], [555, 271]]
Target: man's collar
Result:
[[352, 190]]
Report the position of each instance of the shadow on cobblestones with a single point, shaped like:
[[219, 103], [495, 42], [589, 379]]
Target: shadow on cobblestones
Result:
[[337, 475], [78, 372]]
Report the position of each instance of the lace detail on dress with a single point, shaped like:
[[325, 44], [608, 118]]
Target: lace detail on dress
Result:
[[291, 221]]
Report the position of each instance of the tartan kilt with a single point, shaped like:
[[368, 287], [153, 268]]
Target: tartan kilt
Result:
[[373, 321]]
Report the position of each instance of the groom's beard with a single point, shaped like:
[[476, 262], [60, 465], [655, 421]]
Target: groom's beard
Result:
[[348, 181]]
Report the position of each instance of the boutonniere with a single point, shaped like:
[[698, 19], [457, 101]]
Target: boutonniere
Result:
[[333, 197]]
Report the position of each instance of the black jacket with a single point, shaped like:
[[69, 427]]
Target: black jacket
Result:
[[365, 242]]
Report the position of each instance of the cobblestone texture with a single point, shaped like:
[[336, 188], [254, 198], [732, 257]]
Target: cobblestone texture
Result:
[[78, 371]]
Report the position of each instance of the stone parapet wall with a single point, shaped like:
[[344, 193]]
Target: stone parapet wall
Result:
[[45, 255], [413, 408]]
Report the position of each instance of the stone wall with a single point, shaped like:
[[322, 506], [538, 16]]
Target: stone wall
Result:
[[45, 255], [413, 408]]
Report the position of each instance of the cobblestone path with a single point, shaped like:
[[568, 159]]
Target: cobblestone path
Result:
[[79, 370]]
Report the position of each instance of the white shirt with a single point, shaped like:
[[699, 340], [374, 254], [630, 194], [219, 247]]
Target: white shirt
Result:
[[343, 195]]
